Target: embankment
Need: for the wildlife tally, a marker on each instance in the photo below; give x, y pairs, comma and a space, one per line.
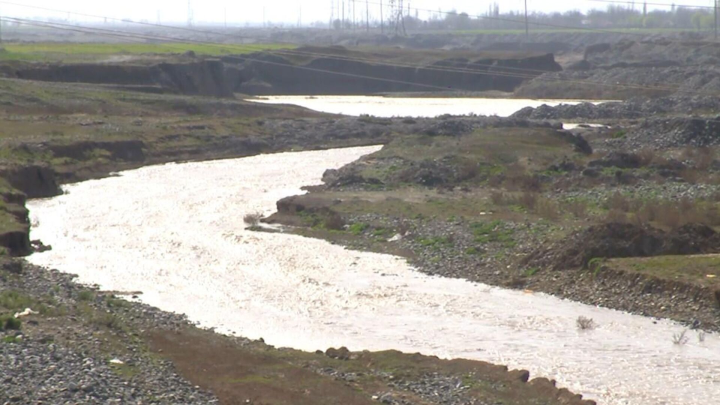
346, 72
310, 70
197, 77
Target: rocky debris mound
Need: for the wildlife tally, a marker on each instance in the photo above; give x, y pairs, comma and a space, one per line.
674, 132
630, 109
617, 240
654, 52
625, 81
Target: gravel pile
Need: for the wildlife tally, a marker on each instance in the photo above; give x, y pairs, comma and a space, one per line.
37, 372
62, 357
432, 387
369, 129
674, 132
625, 81
630, 109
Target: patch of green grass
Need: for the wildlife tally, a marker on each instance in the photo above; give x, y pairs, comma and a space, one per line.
11, 340
125, 371
107, 320
358, 228
472, 251
88, 51
13, 300
86, 295
531, 272
619, 134
493, 232
116, 303
701, 270
436, 242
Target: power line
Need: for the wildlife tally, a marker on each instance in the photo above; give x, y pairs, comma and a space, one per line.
226, 46
534, 23
110, 33
654, 4
226, 34
380, 3
106, 18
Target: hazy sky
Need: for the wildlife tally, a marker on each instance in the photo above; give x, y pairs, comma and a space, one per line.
240, 11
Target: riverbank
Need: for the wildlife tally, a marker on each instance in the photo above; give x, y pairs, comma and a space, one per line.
84, 345
55, 134
535, 209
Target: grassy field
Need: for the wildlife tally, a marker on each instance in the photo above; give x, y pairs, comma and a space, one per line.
51, 51
699, 270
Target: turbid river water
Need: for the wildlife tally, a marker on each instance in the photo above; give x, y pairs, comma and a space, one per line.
414, 107
175, 232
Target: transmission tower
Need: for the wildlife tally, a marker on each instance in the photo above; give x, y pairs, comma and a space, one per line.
190, 15
398, 15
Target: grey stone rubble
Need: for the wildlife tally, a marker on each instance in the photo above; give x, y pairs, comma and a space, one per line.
39, 369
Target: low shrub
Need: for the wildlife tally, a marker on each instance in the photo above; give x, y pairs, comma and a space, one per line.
333, 221
547, 209
680, 338
577, 208
9, 322
584, 323
252, 219
86, 295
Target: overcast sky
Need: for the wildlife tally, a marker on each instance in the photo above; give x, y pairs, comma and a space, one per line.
241, 11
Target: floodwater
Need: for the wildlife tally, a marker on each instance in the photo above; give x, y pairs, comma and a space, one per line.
410, 107
175, 232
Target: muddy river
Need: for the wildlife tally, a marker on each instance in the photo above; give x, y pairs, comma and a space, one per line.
175, 232
414, 107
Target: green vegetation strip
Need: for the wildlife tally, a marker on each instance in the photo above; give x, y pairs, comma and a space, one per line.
52, 50
700, 270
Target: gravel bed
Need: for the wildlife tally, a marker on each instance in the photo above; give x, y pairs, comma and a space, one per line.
62, 359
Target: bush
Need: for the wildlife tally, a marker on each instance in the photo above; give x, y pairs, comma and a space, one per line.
616, 216
499, 198
584, 323
618, 202
680, 338
9, 322
253, 219
577, 208
86, 295
528, 201
334, 221
547, 209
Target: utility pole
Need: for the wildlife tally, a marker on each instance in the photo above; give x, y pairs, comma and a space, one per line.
527, 25
342, 26
716, 19
190, 14
1, 24
367, 15
382, 19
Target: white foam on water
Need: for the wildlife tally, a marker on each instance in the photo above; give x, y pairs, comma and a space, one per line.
176, 233
412, 107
